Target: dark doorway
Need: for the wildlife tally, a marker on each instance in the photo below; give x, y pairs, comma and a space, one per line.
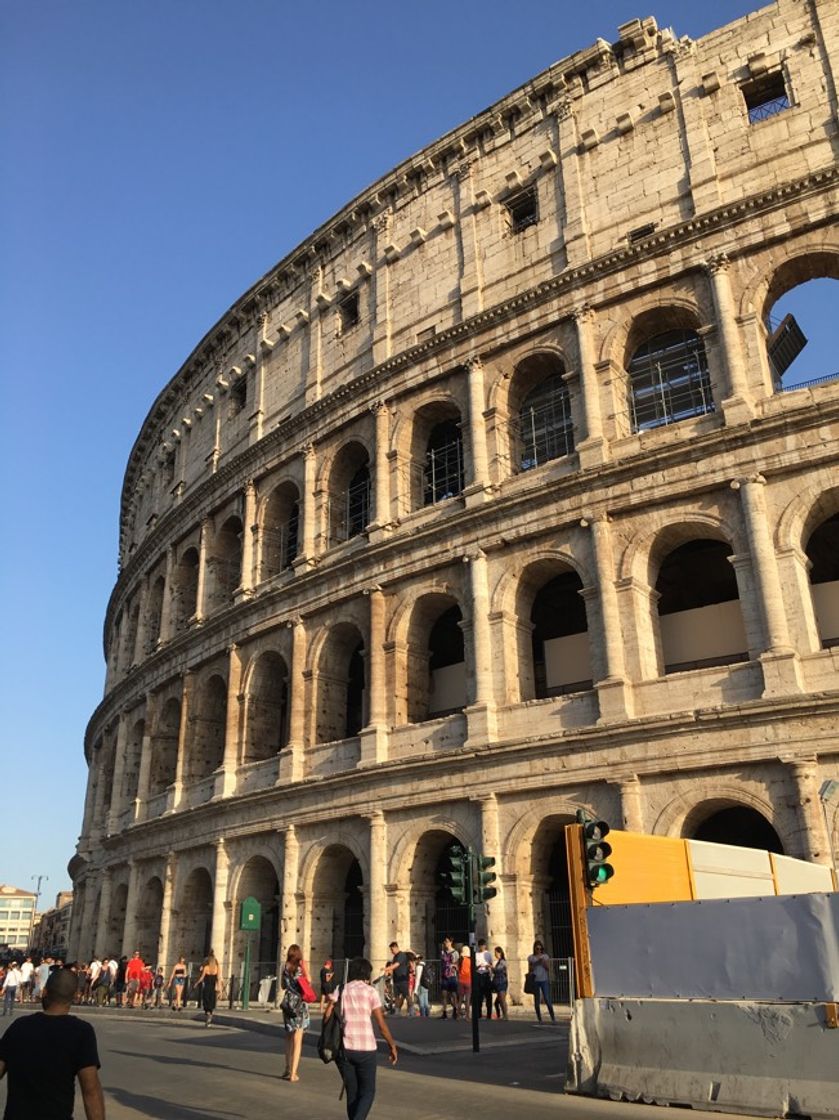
741, 826
559, 903
353, 913
450, 918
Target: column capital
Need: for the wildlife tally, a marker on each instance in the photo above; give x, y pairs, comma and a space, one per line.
757, 479
473, 557
583, 314
375, 816
378, 407
589, 520
374, 588
716, 263
564, 108
473, 362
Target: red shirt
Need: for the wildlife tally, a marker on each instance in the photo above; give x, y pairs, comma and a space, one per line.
134, 969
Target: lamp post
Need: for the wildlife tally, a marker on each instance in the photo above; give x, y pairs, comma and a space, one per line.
826, 793
39, 879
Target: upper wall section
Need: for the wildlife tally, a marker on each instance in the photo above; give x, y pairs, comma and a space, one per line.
608, 148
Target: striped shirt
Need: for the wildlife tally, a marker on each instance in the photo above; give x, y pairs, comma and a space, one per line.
358, 1001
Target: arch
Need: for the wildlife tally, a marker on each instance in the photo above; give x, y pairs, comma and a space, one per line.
154, 614
279, 529
420, 860
436, 453
822, 549
436, 659
693, 805
185, 591
207, 729
666, 368
349, 490
193, 917
722, 821
337, 904
541, 424
224, 564
554, 654
550, 891
258, 878
164, 747
266, 707
115, 929
131, 770
149, 912
340, 684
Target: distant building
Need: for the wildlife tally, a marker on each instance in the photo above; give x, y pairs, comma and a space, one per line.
17, 910
52, 928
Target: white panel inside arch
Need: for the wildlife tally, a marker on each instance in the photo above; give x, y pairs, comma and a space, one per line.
448, 688
798, 876
703, 633
826, 606
567, 660
729, 871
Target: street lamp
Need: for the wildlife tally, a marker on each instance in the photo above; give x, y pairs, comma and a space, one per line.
40, 879
826, 793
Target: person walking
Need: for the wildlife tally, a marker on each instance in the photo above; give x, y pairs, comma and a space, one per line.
177, 983
46, 1052
26, 971
210, 980
449, 957
295, 1010
483, 966
422, 985
539, 963
397, 969
464, 981
11, 984
327, 983
500, 982
133, 975
360, 1006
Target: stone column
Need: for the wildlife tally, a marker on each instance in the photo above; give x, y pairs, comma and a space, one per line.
306, 557
632, 804
117, 801
780, 663
592, 448
377, 930
201, 592
478, 488
218, 937
380, 295
129, 930
86, 935
100, 945
168, 594
480, 714
291, 861
613, 693
249, 528
145, 757
292, 756
467, 229
182, 767
374, 737
164, 953
496, 919
225, 785
139, 651
738, 405
575, 230
381, 523
814, 840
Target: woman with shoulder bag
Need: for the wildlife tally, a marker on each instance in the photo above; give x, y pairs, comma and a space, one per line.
538, 963
295, 1009
500, 983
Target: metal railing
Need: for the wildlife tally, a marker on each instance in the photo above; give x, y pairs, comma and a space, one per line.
781, 388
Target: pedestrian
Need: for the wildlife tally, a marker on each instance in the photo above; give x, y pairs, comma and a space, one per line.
120, 981
146, 985
449, 958
11, 983
359, 1006
102, 988
397, 969
500, 981
295, 1010
44, 1053
464, 980
210, 980
327, 983
158, 986
133, 975
177, 983
539, 962
41, 976
483, 967
26, 971
422, 985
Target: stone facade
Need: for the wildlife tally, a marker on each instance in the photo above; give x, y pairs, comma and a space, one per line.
484, 506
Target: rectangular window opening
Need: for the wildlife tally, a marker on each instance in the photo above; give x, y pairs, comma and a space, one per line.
349, 312
238, 395
523, 210
765, 96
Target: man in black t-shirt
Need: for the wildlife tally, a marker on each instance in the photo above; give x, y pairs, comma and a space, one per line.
43, 1055
397, 969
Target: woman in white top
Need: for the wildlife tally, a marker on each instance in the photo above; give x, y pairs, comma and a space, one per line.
360, 1004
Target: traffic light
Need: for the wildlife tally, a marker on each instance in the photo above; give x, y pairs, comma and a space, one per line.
456, 874
484, 878
597, 851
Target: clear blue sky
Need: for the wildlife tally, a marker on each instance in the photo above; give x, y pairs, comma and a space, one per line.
158, 157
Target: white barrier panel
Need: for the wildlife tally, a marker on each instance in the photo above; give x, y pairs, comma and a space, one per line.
794, 876
725, 871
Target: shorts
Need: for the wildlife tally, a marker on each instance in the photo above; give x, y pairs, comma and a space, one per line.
449, 984
400, 988
133, 986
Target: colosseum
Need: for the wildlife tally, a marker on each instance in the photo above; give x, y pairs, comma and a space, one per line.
491, 501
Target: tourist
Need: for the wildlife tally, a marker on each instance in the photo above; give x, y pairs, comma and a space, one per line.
119, 981
397, 969
60, 1044
158, 987
295, 1010
449, 957
177, 984
133, 975
464, 980
422, 985
11, 983
483, 967
26, 971
210, 980
359, 1004
327, 983
500, 982
539, 962
41, 976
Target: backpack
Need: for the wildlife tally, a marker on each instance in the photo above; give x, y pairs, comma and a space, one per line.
331, 1041
425, 978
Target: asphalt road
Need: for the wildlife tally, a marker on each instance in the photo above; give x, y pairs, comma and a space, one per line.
169, 1070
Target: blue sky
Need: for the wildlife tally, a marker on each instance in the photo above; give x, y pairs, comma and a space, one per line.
159, 156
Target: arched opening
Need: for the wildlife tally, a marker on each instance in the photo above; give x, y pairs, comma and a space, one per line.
337, 906
551, 894
342, 698
207, 729
446, 664
224, 564
279, 531
193, 920
148, 921
823, 554
185, 599
443, 475
116, 919
164, 748
700, 619
542, 428
154, 614
259, 880
560, 643
668, 379
451, 918
350, 509
266, 729
799, 316
106, 774
739, 825
131, 635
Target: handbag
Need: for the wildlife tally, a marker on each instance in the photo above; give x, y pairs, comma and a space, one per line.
529, 984
331, 1041
291, 1003
306, 990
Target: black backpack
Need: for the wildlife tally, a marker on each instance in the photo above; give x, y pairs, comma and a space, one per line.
425, 978
331, 1041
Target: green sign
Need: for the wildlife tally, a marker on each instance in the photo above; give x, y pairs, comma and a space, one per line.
250, 917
